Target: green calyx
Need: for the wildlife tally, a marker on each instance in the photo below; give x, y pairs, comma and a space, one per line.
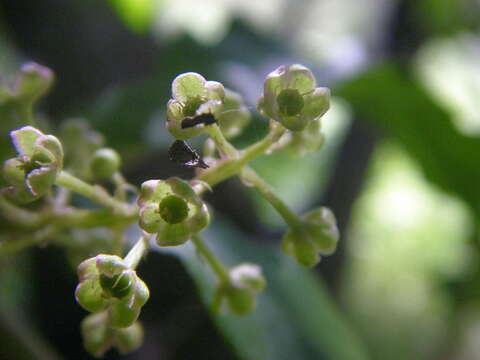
173, 209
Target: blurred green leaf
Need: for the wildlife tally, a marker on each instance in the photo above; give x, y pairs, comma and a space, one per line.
295, 318
389, 99
137, 14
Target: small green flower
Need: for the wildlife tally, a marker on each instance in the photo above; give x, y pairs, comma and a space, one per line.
32, 173
99, 337
290, 96
239, 293
171, 209
318, 235
32, 82
106, 283
192, 95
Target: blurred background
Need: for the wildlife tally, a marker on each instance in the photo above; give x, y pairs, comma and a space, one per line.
400, 169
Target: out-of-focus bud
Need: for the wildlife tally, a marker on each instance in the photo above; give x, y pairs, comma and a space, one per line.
98, 337
104, 163
245, 281
33, 81
318, 235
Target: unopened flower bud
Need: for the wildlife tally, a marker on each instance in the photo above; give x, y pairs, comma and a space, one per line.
104, 163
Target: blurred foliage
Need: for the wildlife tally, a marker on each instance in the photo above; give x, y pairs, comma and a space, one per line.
409, 241
394, 102
427, 231
285, 325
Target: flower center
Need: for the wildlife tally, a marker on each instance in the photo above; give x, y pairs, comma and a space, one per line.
173, 209
117, 286
290, 102
192, 105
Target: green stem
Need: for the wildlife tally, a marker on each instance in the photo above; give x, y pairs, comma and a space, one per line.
17, 215
250, 176
222, 143
137, 252
217, 267
13, 246
95, 193
230, 167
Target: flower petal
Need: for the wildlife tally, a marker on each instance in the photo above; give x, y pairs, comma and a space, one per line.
188, 85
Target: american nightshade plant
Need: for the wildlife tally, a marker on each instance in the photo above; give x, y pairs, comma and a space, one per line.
44, 174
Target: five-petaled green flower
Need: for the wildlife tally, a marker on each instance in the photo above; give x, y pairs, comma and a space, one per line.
171, 209
290, 96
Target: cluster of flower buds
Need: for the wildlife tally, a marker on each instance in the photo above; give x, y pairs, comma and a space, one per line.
239, 292
316, 235
33, 172
171, 209
99, 337
114, 294
106, 283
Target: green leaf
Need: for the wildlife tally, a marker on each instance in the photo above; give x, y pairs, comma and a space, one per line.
394, 102
295, 318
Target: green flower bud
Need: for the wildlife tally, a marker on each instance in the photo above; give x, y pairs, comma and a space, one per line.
245, 281
104, 163
33, 81
129, 339
98, 337
106, 283
239, 301
33, 172
290, 96
318, 235
171, 209
248, 276
96, 334
189, 92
